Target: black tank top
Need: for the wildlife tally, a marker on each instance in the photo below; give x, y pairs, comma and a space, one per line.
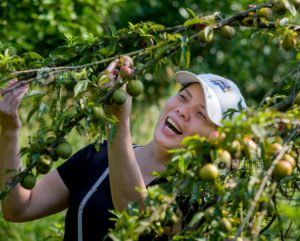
80, 173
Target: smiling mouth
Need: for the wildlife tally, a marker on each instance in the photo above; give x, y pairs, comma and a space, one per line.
172, 127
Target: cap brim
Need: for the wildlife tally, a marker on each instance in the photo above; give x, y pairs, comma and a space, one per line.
212, 104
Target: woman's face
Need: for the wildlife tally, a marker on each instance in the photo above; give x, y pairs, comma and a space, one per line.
187, 111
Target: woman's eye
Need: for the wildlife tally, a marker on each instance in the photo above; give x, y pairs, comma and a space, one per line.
200, 113
182, 97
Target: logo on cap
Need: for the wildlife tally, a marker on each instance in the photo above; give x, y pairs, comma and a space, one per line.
225, 87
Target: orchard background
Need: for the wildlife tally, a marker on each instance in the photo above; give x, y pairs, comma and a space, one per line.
253, 63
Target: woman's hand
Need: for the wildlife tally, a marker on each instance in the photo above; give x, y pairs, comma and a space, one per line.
122, 112
9, 118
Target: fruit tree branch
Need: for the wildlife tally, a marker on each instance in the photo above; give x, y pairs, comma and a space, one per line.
263, 184
275, 85
295, 85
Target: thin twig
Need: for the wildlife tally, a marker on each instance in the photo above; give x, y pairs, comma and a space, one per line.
263, 183
269, 225
275, 85
287, 231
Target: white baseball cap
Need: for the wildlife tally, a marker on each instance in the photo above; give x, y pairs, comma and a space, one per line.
220, 94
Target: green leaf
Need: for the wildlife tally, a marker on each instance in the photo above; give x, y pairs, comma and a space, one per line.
194, 21
157, 26
196, 218
32, 55
179, 57
85, 56
6, 171
191, 12
287, 87
31, 113
94, 60
259, 131
80, 87
43, 109
208, 30
115, 212
111, 48
33, 93
255, 33
113, 30
164, 60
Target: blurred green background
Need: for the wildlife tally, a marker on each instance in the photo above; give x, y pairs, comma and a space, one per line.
39, 26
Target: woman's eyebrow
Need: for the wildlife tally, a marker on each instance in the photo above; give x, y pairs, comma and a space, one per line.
189, 93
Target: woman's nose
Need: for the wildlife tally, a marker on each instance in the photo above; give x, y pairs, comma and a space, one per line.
183, 113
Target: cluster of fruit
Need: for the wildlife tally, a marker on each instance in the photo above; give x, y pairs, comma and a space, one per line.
230, 158
133, 87
280, 7
45, 161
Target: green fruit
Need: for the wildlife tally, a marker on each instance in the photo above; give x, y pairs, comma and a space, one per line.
131, 60
64, 150
203, 39
225, 225
50, 140
134, 88
209, 213
54, 155
265, 13
119, 97
173, 219
287, 43
208, 172
282, 169
223, 159
235, 148
36, 146
126, 72
103, 51
296, 3
297, 99
140, 65
173, 59
280, 7
28, 160
98, 114
227, 32
28, 182
290, 159
44, 164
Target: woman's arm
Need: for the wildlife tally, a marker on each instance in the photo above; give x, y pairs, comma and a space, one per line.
50, 195
124, 172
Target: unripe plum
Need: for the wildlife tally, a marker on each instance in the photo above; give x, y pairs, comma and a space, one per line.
296, 3
130, 59
134, 88
203, 39
208, 172
287, 43
265, 13
280, 7
290, 159
140, 65
119, 97
277, 147
126, 72
227, 32
250, 22
282, 169
216, 138
249, 142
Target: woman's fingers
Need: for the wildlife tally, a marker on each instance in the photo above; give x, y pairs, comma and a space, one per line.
17, 100
111, 67
9, 84
9, 97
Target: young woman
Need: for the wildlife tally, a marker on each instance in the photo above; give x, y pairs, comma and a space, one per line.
196, 109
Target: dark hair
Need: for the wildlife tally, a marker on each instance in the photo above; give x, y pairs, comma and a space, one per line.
184, 86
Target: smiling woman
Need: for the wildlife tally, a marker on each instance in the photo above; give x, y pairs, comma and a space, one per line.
86, 186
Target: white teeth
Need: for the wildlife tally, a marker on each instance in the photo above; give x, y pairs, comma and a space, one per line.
168, 128
174, 124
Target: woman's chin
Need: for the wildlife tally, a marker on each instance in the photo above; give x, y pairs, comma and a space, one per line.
167, 142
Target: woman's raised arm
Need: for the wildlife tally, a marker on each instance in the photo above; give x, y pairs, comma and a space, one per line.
50, 195
124, 172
